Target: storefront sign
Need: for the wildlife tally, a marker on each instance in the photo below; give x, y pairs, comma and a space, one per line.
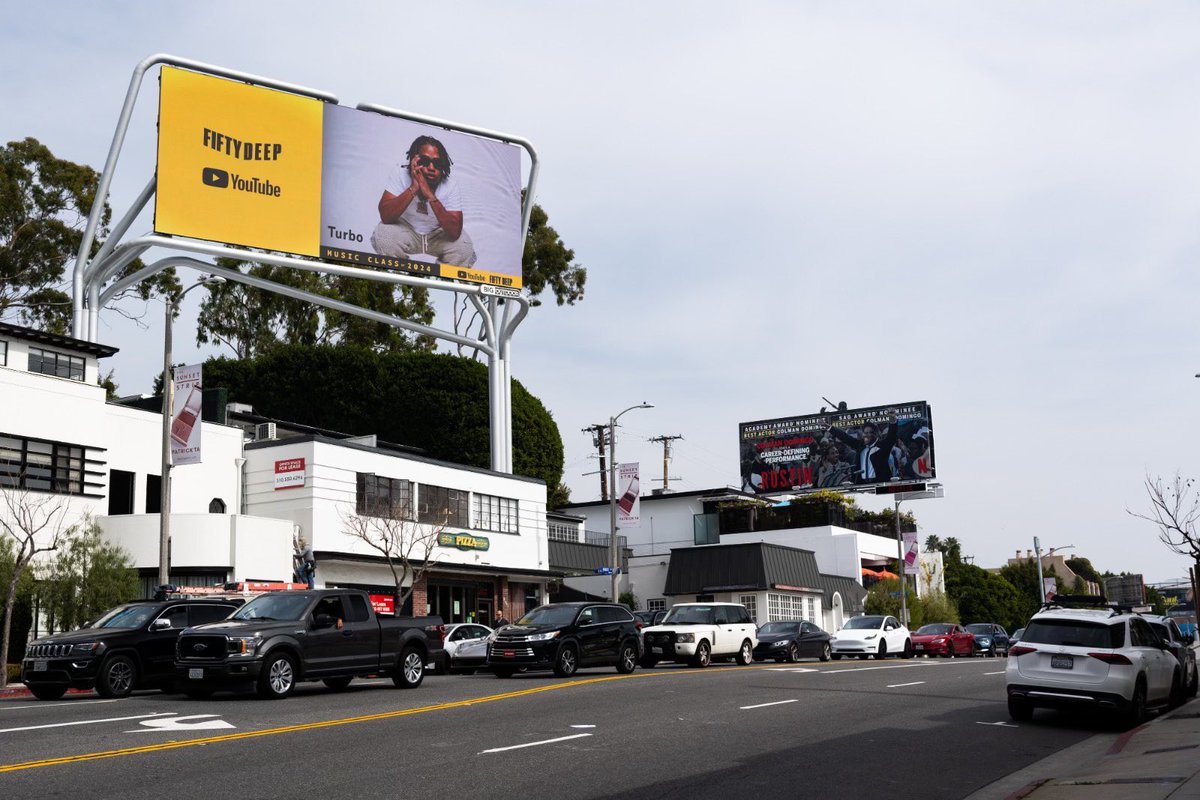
463, 541
289, 474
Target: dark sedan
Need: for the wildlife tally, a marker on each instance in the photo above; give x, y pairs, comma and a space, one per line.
791, 640
990, 639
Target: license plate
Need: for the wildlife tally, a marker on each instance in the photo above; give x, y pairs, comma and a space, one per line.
656, 649
919, 646
509, 654
40, 666
1062, 662
196, 673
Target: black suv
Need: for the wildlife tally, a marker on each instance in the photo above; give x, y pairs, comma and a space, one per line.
130, 647
566, 636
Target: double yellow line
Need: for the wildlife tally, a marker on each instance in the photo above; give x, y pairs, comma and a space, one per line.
310, 726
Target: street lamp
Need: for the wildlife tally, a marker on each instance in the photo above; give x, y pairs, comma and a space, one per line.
168, 408
613, 552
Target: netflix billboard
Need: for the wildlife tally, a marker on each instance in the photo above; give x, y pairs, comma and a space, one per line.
852, 449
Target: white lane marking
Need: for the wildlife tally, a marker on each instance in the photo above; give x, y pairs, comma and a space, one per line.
181, 724
1001, 672
533, 744
583, 726
868, 669
764, 705
87, 722
998, 724
56, 705
890, 686
791, 669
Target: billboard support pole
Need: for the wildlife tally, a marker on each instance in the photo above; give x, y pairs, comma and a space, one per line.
903, 582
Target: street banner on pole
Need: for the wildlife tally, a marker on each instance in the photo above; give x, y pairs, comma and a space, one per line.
910, 551
1049, 588
629, 502
185, 416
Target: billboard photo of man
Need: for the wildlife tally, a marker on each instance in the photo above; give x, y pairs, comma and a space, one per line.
420, 212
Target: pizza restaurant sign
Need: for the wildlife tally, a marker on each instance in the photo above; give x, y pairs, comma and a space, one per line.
463, 541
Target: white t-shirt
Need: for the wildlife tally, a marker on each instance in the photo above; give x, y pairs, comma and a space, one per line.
446, 192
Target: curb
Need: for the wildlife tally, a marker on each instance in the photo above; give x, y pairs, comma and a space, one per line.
10, 692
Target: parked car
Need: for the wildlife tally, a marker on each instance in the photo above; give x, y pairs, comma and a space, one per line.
872, 635
1181, 645
1092, 658
129, 647
465, 648
1016, 637
566, 636
648, 618
945, 639
990, 639
696, 633
791, 640
330, 635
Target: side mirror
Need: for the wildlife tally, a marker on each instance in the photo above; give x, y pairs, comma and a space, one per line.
323, 621
161, 624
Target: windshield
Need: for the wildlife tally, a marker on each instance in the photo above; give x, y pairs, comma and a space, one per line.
126, 617
550, 615
977, 628
274, 607
935, 630
1074, 633
780, 627
690, 615
859, 623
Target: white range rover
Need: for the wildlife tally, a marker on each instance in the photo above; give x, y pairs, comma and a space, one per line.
696, 633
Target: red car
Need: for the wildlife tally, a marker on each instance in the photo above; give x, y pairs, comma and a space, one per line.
943, 639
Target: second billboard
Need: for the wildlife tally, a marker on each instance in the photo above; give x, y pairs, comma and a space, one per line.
843, 449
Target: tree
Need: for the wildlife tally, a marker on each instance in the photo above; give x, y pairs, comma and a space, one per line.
33, 523
87, 577
1174, 510
406, 545
44, 206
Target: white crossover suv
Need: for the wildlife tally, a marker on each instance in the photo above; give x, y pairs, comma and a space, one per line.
696, 633
1086, 657
872, 635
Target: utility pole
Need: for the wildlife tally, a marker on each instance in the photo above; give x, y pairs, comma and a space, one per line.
599, 433
666, 443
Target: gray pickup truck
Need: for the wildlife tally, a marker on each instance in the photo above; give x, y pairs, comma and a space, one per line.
281, 638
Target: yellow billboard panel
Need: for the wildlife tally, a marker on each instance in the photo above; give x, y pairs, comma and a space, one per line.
238, 163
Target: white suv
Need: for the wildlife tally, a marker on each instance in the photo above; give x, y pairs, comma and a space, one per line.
696, 633
1108, 659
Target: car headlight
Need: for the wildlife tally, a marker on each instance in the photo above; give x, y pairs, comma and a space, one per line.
491, 637
779, 644
984, 642
243, 645
870, 636
87, 648
543, 637
686, 638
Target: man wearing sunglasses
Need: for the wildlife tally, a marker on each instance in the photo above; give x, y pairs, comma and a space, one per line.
420, 210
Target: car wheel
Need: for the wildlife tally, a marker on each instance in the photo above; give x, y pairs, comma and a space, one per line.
882, 654
442, 665
745, 655
1193, 684
278, 677
567, 662
627, 662
337, 684
703, 655
793, 653
410, 671
825, 652
991, 653
116, 678
1020, 710
48, 692
908, 649
198, 692
950, 652
1136, 713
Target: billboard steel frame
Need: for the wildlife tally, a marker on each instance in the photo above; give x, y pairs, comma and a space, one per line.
90, 276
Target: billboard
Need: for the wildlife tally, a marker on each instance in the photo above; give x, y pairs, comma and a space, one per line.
856, 448
629, 498
185, 416
261, 168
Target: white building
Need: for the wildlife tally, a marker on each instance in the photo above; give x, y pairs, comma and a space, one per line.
232, 520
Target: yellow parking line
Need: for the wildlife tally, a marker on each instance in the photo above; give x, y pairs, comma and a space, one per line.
308, 726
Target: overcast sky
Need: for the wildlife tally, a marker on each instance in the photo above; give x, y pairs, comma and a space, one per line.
992, 207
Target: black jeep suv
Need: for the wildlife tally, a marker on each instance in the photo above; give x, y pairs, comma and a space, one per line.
566, 636
130, 647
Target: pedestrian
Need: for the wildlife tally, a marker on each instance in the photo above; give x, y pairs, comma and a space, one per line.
305, 564
501, 620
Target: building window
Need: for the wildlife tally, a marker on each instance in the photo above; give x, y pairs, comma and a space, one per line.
785, 607
377, 496
40, 466
3, 354
495, 513
438, 505
657, 604
48, 362
562, 531
750, 601
812, 610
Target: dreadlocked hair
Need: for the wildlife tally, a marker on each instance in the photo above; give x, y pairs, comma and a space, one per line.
444, 162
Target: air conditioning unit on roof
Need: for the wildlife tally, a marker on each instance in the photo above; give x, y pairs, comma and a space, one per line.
264, 431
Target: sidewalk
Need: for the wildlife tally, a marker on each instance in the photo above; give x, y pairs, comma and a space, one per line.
1160, 759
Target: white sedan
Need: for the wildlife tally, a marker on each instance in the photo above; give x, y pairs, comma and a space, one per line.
872, 635
465, 648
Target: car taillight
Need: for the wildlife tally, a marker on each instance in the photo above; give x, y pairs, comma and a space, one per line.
1111, 658
1020, 650
638, 622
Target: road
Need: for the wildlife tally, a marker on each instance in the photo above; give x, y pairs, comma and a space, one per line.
893, 729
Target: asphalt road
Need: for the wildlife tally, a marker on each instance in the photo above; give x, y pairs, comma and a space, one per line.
893, 729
